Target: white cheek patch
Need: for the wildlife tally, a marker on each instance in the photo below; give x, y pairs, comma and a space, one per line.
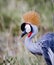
28, 28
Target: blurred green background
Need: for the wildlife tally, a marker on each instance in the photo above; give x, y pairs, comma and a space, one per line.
12, 51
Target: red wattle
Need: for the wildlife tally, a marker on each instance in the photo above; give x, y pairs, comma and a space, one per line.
29, 34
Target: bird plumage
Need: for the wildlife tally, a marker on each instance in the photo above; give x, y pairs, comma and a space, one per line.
44, 46
51, 55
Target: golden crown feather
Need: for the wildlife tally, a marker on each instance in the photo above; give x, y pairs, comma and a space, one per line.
32, 17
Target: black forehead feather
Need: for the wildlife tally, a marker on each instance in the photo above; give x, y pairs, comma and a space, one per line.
23, 26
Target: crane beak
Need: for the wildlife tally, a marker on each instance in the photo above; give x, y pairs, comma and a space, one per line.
24, 33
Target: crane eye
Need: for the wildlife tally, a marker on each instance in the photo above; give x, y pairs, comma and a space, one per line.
28, 28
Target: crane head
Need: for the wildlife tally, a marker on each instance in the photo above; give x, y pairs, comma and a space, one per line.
29, 29
26, 29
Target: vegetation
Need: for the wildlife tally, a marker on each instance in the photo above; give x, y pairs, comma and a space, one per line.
11, 12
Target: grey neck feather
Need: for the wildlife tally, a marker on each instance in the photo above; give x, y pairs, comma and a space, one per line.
33, 47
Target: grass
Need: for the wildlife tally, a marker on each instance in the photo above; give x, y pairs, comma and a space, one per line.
17, 54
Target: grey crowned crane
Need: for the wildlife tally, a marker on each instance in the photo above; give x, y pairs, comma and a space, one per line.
44, 46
